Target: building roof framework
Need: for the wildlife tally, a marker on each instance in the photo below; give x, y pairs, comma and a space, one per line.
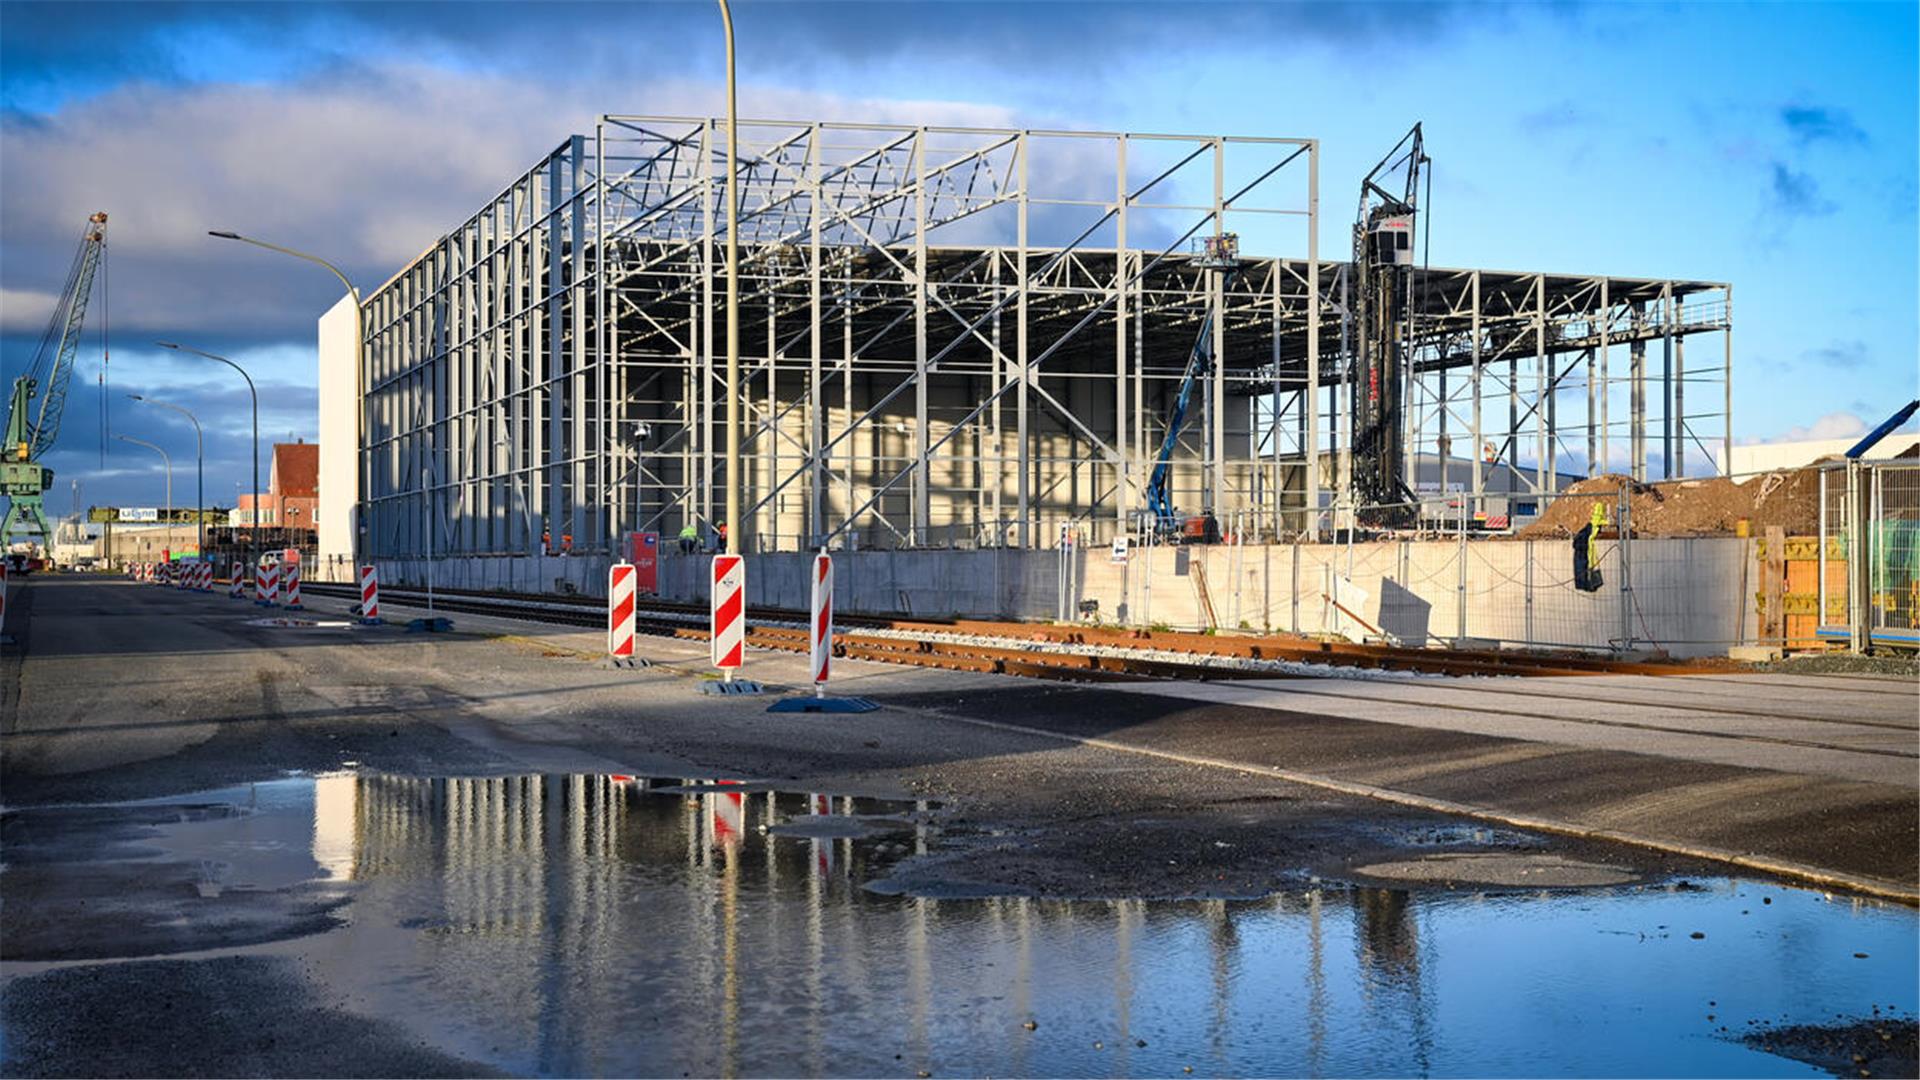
954, 336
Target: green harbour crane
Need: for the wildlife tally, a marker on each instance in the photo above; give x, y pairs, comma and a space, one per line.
39, 395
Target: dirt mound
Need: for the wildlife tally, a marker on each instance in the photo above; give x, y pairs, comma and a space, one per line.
1710, 506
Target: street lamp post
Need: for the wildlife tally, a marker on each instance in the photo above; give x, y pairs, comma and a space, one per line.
733, 295
253, 532
168, 461
359, 388
199, 474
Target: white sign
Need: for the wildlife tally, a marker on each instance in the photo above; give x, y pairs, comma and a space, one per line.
1120, 546
139, 513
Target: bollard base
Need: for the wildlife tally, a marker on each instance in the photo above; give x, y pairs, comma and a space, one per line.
630, 663
736, 688
823, 705
436, 625
374, 621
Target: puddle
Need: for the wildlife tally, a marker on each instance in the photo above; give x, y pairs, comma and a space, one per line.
586, 925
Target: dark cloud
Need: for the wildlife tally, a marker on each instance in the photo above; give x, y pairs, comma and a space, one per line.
1561, 116
1839, 355
52, 50
1794, 193
1809, 124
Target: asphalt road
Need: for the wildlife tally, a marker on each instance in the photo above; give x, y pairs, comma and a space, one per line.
116, 691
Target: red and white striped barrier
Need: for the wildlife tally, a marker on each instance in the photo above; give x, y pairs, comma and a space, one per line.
237, 587
182, 575
820, 648
290, 584
266, 584
729, 612
203, 576
369, 595
620, 586
820, 651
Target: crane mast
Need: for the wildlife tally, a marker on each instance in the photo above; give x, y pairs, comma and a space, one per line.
32, 428
1382, 266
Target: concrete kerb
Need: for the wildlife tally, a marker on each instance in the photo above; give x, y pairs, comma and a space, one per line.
1813, 875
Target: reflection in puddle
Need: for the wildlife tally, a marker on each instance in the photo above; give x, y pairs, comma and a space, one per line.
598, 925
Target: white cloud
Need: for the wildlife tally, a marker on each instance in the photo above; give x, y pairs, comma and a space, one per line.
25, 311
1834, 425
367, 167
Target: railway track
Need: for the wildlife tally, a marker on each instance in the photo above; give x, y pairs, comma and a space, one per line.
1074, 653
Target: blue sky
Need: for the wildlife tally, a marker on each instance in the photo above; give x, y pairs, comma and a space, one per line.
1770, 145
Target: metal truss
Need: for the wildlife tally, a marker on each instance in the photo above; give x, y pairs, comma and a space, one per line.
950, 337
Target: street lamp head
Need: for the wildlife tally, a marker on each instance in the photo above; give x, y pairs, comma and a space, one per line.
167, 344
224, 234
136, 397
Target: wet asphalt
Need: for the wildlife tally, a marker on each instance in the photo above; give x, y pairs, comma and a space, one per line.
118, 692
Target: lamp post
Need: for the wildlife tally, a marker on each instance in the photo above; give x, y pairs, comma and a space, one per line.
199, 474
733, 295
169, 463
253, 532
359, 388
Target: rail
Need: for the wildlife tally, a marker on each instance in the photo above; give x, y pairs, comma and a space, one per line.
1038, 650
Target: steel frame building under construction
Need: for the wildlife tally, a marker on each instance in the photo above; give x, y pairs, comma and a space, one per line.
960, 337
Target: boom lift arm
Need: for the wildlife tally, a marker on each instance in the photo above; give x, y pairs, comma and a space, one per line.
1382, 265
31, 431
1221, 256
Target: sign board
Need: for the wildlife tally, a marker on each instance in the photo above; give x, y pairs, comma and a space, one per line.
1120, 548
643, 551
148, 515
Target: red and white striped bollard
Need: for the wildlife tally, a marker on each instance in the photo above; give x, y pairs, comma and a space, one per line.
290, 584
237, 587
266, 583
820, 648
620, 614
729, 613
369, 595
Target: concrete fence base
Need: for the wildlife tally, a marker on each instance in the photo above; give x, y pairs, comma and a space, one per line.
1690, 597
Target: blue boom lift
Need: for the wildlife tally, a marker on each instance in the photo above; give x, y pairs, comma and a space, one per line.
1220, 255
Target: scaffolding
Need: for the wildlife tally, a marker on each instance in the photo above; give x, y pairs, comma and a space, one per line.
956, 337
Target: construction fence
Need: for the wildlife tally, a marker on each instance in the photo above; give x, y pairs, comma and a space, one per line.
1870, 509
1689, 568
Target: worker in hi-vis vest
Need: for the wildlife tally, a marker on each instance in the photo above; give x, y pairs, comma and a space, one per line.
689, 538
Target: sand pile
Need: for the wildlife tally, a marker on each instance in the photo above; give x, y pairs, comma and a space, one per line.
1706, 507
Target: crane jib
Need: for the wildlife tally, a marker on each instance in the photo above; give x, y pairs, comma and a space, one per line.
30, 430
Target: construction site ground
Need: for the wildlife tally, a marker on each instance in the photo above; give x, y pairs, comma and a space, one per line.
1811, 775
138, 720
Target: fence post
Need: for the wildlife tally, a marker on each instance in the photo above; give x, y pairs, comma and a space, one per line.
1294, 592
1625, 547
1460, 591
1820, 597
1877, 537
1857, 562
1528, 606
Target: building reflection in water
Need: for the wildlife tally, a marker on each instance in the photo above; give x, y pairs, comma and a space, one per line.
598, 924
